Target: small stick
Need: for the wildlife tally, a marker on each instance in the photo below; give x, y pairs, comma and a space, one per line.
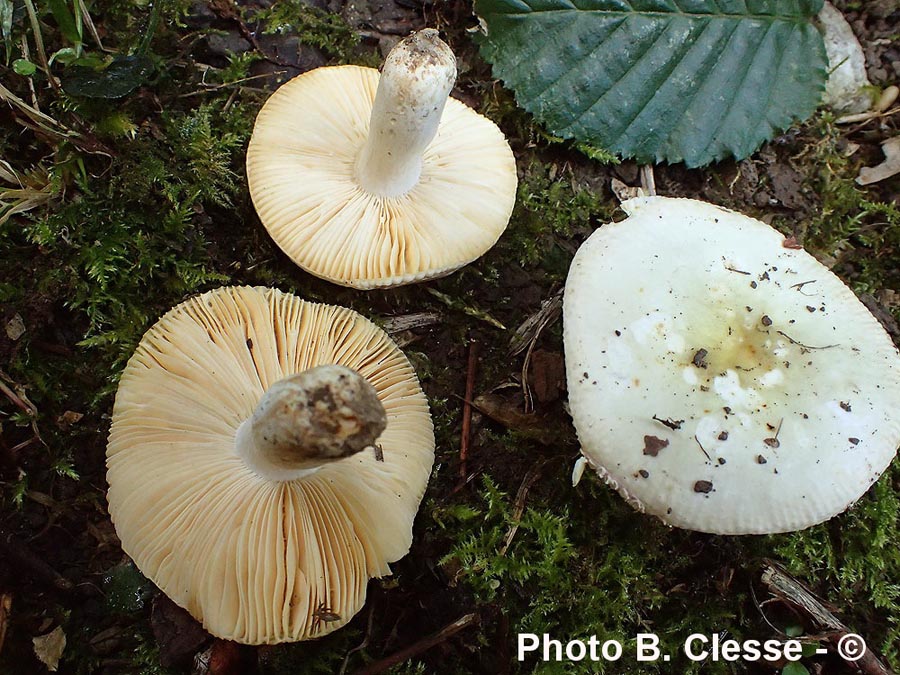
361, 645
422, 645
519, 507
800, 344
89, 23
17, 400
702, 449
5, 611
791, 591
866, 116
648, 180
215, 87
26, 53
467, 410
39, 44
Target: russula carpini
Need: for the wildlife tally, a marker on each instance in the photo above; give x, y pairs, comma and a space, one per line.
719, 376
267, 457
372, 180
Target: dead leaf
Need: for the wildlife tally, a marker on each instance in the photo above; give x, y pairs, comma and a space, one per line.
49, 648
889, 167
530, 329
547, 375
541, 428
15, 327
625, 192
68, 418
850, 149
887, 99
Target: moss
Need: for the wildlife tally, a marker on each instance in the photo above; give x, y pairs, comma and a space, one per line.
583, 563
315, 27
552, 206
859, 234
856, 557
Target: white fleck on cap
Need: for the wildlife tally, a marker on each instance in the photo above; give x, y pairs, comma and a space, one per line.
374, 180
722, 379
259, 556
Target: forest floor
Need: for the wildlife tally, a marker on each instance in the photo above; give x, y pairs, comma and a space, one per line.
139, 202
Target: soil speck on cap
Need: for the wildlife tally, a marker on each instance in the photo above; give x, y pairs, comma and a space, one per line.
845, 405
761, 460
699, 359
674, 425
703, 486
723, 436
652, 445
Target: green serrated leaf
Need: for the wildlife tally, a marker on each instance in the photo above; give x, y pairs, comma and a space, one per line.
122, 76
794, 669
23, 67
660, 80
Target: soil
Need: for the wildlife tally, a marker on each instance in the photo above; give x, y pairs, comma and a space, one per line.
60, 560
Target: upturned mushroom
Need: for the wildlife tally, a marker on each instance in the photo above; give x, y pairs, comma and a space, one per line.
720, 377
372, 180
267, 457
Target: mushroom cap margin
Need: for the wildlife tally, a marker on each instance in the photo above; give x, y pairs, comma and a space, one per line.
301, 174
252, 559
679, 276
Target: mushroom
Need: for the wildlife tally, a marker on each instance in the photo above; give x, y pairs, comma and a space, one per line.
720, 377
267, 457
370, 181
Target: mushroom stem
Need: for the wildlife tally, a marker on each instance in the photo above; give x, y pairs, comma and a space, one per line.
416, 81
310, 419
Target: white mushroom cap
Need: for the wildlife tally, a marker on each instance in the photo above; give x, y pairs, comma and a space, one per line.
255, 559
394, 207
719, 377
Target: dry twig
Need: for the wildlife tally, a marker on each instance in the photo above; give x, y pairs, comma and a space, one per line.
422, 645
5, 610
22, 558
467, 410
790, 590
519, 506
648, 180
